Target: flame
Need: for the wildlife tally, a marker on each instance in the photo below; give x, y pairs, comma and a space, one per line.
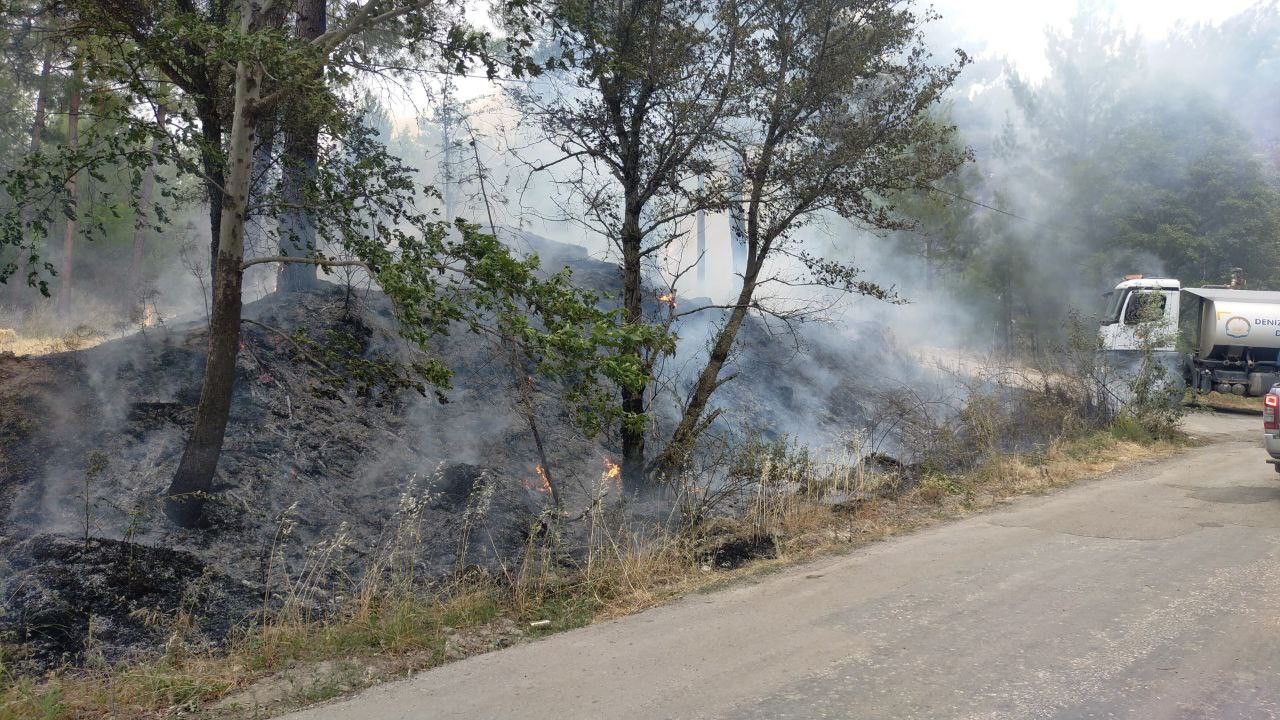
544, 484
611, 478
149, 316
669, 298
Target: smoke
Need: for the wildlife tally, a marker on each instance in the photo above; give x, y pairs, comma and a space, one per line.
1083, 173
1121, 153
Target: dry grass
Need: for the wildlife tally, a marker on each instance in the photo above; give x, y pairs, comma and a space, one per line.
1224, 402
391, 628
406, 633
40, 330
804, 528
78, 338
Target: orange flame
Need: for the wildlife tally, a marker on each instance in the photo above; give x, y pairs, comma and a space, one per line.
669, 298
149, 316
611, 478
544, 484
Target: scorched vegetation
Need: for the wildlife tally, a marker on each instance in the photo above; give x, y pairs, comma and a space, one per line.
314, 371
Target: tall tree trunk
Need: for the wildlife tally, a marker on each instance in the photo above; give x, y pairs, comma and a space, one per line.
69, 235
634, 478
691, 423
265, 146
215, 168
19, 279
185, 498
142, 221
1005, 320
302, 147
755, 249
446, 136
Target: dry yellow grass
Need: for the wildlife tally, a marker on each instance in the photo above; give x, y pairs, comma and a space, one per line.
1225, 402
78, 339
804, 529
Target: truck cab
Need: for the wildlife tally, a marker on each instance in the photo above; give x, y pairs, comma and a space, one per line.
1134, 307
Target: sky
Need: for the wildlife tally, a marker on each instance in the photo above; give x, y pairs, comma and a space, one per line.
1015, 28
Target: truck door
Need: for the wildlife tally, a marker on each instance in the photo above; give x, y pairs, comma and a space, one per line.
1145, 312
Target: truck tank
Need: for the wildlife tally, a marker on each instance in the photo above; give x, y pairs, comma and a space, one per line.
1249, 318
1239, 337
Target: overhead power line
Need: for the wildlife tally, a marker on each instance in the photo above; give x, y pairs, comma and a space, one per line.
985, 206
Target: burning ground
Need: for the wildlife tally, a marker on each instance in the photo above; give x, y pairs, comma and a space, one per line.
320, 482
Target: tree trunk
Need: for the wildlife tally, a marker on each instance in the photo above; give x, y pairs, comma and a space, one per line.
142, 221
185, 498
69, 234
634, 479
691, 423
255, 232
302, 147
214, 165
19, 279
755, 250
446, 136
1005, 320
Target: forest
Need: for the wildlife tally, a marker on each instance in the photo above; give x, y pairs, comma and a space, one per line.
377, 321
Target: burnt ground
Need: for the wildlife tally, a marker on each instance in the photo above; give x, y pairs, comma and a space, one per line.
78, 595
737, 552
90, 440
310, 473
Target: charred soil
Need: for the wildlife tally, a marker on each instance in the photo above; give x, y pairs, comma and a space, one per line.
322, 478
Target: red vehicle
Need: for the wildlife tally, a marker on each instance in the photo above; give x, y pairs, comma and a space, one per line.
1271, 425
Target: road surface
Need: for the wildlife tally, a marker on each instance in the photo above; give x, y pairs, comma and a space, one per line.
1151, 593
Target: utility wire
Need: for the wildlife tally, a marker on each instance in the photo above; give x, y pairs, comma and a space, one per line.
1015, 216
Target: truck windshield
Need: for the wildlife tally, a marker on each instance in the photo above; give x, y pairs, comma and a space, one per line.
1144, 306
1115, 300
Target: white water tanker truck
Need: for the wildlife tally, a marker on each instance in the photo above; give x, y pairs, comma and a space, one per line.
1221, 338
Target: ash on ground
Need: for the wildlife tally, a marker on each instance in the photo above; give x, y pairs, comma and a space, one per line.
311, 473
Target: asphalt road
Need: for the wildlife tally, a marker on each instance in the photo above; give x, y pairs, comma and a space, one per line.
1151, 593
